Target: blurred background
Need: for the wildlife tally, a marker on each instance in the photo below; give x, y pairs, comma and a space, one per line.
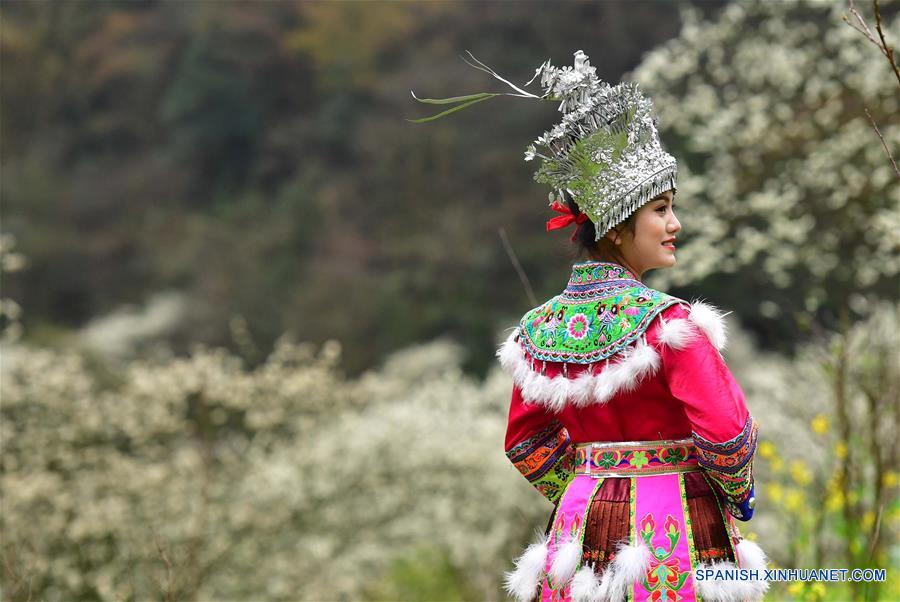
249, 311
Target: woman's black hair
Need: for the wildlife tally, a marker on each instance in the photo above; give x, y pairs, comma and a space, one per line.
585, 237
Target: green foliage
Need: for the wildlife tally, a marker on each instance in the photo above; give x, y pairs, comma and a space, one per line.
827, 460
464, 102
258, 161
425, 574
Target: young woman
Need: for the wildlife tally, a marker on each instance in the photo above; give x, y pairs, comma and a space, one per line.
623, 412
646, 452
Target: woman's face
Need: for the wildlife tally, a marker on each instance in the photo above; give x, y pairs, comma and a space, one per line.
653, 243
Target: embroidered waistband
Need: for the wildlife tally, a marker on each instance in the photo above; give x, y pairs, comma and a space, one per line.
631, 458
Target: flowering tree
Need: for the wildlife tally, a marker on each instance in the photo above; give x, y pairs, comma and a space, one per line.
10, 312
783, 179
196, 478
203, 480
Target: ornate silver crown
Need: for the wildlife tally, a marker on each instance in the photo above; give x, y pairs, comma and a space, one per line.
606, 150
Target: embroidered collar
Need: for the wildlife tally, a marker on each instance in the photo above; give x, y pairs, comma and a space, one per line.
603, 309
594, 275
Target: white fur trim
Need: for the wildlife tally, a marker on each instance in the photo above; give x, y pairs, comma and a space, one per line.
634, 364
750, 556
524, 383
609, 381
522, 371
585, 586
714, 590
726, 590
605, 583
510, 352
534, 389
558, 393
676, 333
711, 321
582, 388
522, 583
625, 375
629, 565
566, 560
643, 361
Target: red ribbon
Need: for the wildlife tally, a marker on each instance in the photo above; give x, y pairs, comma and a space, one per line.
561, 221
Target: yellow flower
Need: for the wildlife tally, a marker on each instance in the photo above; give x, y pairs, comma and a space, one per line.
840, 450
796, 588
818, 590
835, 501
774, 492
819, 424
868, 519
751, 535
890, 479
833, 482
777, 464
794, 499
800, 473
767, 449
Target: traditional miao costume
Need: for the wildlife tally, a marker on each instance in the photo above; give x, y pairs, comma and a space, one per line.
625, 416
623, 412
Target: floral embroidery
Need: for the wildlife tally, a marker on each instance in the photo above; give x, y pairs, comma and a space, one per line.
673, 455
645, 458
730, 464
578, 326
568, 526
608, 460
603, 310
639, 459
546, 460
553, 483
665, 577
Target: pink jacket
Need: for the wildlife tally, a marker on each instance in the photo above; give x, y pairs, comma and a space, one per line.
669, 382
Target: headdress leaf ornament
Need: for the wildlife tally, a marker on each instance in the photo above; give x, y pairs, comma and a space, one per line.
605, 152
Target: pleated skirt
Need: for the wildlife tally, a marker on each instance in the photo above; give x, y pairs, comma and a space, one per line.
637, 538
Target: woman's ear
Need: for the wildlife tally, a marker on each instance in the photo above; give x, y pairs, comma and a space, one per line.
613, 236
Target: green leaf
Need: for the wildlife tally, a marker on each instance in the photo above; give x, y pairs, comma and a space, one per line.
620, 141
453, 110
446, 101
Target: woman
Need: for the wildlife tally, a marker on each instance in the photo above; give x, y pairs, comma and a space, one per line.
623, 412
647, 452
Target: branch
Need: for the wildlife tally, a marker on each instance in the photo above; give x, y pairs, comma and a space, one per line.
880, 42
168, 589
876, 533
519, 270
889, 51
883, 143
863, 27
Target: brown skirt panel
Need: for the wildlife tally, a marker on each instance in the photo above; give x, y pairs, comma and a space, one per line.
608, 521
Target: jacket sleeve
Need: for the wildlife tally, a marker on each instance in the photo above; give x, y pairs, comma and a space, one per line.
722, 428
538, 445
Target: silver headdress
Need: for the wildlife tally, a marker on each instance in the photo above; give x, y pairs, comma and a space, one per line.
605, 152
